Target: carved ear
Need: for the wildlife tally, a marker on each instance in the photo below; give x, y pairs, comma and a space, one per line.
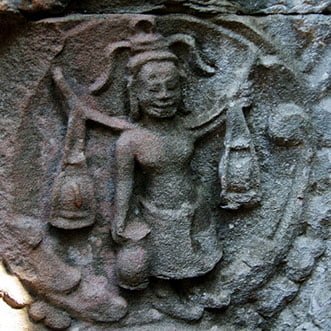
194, 57
112, 51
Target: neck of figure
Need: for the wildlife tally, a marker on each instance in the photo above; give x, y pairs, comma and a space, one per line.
159, 125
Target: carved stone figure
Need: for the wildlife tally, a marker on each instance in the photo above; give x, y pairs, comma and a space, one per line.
163, 229
180, 242
164, 172
161, 225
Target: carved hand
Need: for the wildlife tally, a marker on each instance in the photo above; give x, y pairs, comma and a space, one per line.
117, 230
88, 111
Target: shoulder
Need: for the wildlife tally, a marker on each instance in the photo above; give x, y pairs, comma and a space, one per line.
129, 140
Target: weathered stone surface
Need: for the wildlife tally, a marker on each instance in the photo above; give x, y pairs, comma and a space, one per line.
54, 319
276, 295
167, 171
322, 120
301, 260
288, 125
201, 7
34, 6
210, 7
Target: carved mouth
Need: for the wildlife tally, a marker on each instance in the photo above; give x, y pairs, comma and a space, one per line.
164, 104
164, 110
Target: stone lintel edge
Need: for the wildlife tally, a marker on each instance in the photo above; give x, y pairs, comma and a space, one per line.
15, 10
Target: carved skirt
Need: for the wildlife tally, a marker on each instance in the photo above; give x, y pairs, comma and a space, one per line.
175, 251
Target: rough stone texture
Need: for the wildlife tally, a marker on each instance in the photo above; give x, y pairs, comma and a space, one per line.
255, 90
209, 7
14, 7
197, 7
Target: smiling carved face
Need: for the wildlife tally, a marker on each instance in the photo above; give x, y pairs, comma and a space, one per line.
158, 89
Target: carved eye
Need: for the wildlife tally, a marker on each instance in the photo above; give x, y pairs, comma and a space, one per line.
154, 88
173, 85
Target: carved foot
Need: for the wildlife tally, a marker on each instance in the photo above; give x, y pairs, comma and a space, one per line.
53, 318
94, 299
181, 310
169, 302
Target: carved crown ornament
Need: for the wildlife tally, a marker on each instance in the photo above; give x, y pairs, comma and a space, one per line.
151, 170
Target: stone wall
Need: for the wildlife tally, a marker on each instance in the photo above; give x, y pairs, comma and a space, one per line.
165, 165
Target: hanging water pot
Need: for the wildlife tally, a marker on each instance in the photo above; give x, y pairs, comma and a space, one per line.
238, 169
73, 202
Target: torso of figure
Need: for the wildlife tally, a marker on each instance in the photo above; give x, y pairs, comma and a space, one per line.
164, 160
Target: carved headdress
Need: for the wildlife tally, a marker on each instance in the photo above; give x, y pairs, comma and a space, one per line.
147, 45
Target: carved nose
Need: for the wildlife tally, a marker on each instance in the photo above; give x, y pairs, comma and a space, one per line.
164, 93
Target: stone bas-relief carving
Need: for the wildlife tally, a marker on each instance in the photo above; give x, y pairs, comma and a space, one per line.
41, 8
168, 235
160, 182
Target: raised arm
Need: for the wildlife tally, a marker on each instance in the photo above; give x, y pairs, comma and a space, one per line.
88, 111
124, 186
207, 121
216, 116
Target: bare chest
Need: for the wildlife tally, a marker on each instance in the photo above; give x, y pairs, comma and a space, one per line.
163, 151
